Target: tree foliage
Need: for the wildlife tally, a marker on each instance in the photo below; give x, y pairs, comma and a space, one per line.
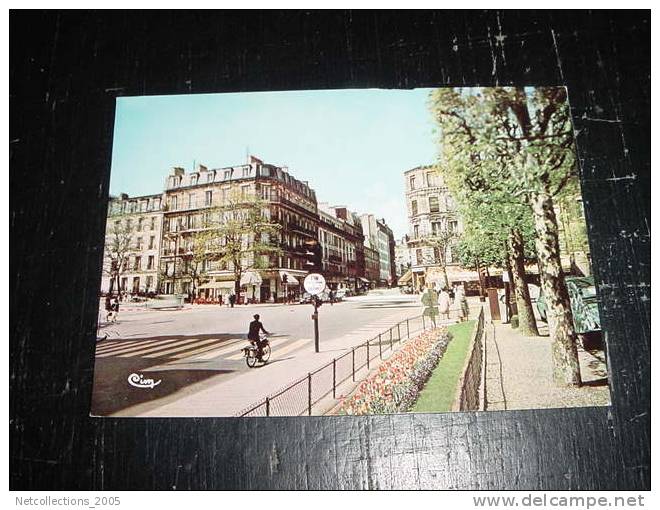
512, 149
240, 235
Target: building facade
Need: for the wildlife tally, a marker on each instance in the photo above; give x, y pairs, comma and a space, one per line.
379, 237
172, 243
434, 227
132, 245
401, 257
192, 200
340, 237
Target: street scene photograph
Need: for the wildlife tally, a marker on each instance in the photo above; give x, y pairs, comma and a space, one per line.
346, 252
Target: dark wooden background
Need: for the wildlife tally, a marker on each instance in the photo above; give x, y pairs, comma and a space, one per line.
65, 71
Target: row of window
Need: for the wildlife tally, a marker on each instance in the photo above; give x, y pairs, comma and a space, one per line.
134, 206
436, 229
431, 179
136, 284
140, 224
433, 205
136, 263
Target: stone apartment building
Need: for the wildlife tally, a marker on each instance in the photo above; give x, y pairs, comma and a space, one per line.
341, 239
431, 212
401, 257
132, 244
379, 237
162, 255
190, 197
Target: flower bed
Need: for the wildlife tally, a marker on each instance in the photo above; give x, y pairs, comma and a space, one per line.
397, 382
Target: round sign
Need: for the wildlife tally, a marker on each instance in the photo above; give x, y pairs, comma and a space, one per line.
314, 283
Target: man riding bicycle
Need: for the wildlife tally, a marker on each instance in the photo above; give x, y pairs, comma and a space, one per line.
253, 334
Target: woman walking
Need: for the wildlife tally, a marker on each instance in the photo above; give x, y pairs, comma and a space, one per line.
444, 302
430, 303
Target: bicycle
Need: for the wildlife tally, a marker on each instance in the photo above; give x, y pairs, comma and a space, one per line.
251, 352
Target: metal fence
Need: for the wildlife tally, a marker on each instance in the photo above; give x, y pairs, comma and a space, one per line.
470, 385
299, 397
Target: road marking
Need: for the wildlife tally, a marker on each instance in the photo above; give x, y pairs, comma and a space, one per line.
291, 347
157, 348
278, 351
211, 352
129, 344
179, 349
136, 348
223, 349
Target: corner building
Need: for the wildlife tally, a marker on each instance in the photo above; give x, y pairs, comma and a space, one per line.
289, 202
431, 210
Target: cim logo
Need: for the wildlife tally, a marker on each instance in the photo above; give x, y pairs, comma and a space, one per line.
139, 381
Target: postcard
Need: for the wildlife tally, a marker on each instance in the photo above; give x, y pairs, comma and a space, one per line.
346, 252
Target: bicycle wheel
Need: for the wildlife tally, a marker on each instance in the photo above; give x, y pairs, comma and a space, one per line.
251, 359
266, 354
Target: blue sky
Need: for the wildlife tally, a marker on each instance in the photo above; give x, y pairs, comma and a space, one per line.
351, 145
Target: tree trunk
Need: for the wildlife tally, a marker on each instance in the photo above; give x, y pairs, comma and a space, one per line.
560, 318
510, 286
526, 320
444, 273
482, 292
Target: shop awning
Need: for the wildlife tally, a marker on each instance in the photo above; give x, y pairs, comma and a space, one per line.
217, 285
454, 274
407, 276
251, 278
290, 279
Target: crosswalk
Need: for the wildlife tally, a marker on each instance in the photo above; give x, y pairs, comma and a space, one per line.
192, 349
211, 348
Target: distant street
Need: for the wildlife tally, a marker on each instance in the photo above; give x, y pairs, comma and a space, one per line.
196, 352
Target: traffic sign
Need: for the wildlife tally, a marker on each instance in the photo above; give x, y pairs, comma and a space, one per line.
314, 283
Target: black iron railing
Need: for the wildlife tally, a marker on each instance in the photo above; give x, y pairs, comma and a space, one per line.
300, 396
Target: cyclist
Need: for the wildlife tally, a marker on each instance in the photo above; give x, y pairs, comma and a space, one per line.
253, 334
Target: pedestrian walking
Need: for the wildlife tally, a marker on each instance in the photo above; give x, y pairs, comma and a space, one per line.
232, 299
430, 303
115, 310
108, 308
462, 302
444, 302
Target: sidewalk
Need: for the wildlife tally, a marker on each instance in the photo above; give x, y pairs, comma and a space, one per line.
519, 373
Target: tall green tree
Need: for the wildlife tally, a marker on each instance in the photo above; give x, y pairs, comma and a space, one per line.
118, 249
241, 235
521, 142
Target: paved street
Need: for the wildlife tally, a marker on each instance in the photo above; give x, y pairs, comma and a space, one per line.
196, 352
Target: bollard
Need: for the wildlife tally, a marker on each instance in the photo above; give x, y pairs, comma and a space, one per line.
423, 324
398, 332
334, 378
267, 406
367, 355
353, 356
391, 339
380, 347
407, 329
309, 394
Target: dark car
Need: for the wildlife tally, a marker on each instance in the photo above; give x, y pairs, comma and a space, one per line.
584, 305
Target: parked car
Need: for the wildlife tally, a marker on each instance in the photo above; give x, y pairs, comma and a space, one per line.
584, 305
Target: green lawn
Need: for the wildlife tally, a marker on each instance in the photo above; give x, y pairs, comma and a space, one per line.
440, 390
